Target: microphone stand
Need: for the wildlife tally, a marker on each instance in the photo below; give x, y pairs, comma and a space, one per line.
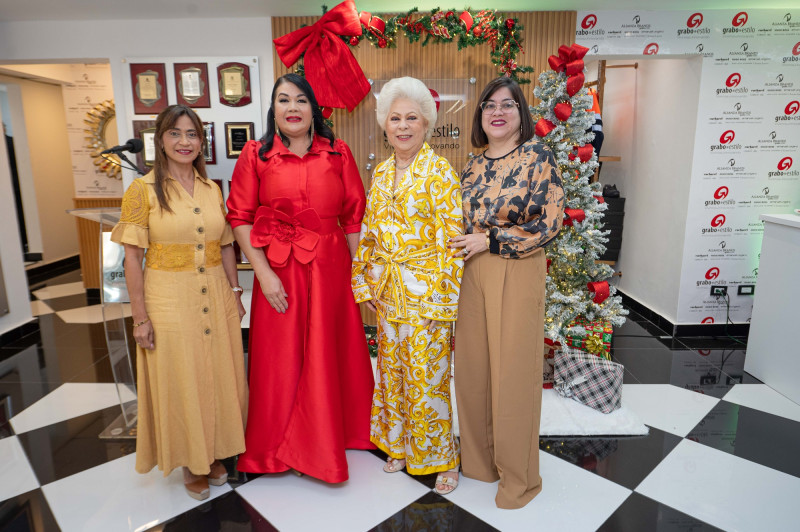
132, 166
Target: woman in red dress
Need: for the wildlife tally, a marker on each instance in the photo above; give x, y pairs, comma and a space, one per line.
295, 206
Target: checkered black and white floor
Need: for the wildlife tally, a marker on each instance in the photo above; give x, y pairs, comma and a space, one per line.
721, 452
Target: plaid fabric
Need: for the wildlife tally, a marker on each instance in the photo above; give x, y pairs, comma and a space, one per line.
590, 380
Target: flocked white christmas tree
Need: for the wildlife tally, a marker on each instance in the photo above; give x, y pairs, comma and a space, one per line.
562, 121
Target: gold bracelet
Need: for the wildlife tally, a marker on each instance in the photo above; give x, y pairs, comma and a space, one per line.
141, 322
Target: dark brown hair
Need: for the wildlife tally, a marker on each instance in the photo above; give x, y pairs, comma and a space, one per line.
165, 121
479, 138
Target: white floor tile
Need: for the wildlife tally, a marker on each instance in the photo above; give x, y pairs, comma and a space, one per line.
16, 475
724, 490
571, 499
60, 290
40, 308
762, 397
94, 313
300, 504
67, 401
667, 407
113, 496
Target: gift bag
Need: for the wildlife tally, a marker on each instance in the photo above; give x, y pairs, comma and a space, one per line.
590, 380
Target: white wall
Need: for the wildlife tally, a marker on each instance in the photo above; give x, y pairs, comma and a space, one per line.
114, 40
11, 253
649, 116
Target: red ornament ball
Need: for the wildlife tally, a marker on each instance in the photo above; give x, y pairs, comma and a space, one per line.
381, 43
510, 23
354, 41
372, 341
477, 31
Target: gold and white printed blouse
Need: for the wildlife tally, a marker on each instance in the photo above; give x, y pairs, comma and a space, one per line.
403, 262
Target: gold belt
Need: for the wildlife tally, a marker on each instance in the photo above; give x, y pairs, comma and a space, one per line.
182, 257
391, 271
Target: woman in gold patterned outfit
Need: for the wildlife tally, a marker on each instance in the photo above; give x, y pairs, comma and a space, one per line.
186, 311
405, 272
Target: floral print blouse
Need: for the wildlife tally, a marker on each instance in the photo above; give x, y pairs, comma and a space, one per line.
518, 198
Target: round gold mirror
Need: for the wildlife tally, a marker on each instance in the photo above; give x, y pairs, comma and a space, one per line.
102, 134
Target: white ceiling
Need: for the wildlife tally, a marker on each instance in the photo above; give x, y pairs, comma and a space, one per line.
20, 10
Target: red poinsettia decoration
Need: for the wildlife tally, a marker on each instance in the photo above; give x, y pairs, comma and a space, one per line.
286, 232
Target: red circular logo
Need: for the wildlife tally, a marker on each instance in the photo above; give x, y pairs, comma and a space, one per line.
792, 107
733, 80
740, 19
712, 273
727, 137
718, 220
651, 49
785, 163
695, 20
704, 352
721, 193
436, 98
589, 22
708, 319
796, 49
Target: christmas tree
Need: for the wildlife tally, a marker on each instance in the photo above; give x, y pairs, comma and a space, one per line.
577, 285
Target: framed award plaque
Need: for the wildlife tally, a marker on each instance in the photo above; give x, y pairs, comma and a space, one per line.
145, 130
209, 151
234, 84
236, 136
191, 84
149, 91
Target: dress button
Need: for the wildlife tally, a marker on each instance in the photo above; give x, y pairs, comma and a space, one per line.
200, 229
201, 269
204, 290
207, 332
196, 210
205, 310
200, 246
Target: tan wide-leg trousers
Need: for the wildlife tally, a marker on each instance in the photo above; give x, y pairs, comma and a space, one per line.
498, 373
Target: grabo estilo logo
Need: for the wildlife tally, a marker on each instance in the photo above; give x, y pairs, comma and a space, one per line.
721, 193
727, 137
651, 49
789, 112
719, 199
732, 83
711, 274
733, 80
693, 24
739, 19
726, 142
785, 169
589, 22
795, 54
587, 26
717, 225
738, 25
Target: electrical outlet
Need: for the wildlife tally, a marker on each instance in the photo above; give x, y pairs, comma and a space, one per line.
746, 290
719, 290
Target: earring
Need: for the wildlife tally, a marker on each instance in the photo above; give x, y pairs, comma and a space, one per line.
311, 131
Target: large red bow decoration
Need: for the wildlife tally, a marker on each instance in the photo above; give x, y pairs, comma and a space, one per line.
570, 61
573, 215
584, 153
330, 67
285, 231
543, 127
600, 290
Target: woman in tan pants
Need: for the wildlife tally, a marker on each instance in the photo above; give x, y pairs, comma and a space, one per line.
513, 204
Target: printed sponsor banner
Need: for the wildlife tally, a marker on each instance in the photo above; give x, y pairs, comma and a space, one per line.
747, 138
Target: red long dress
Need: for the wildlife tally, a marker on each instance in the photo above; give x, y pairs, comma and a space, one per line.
310, 376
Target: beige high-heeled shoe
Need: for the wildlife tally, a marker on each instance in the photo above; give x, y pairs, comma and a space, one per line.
218, 474
196, 487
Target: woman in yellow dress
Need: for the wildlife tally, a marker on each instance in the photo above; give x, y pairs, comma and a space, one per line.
186, 310
405, 271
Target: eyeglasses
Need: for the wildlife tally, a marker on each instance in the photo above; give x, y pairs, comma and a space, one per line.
505, 106
177, 134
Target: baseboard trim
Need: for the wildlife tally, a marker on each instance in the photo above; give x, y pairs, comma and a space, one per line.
686, 330
42, 272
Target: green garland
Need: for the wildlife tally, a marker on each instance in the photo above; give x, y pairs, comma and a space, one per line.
469, 28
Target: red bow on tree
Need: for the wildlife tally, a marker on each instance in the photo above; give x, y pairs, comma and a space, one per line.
570, 61
330, 67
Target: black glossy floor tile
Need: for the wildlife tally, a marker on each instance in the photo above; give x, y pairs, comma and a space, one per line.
766, 439
638, 513
639, 328
434, 513
68, 447
226, 512
626, 461
67, 302
644, 342
27, 512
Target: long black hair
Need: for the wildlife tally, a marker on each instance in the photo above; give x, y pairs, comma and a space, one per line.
317, 121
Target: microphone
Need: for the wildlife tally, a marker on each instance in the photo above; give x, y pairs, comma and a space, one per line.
133, 146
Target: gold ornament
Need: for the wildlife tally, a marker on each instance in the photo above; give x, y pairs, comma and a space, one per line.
594, 344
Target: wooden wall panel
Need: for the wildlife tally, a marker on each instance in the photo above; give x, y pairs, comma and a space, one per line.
88, 239
544, 32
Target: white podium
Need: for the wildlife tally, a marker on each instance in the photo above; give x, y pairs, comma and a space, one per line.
773, 355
